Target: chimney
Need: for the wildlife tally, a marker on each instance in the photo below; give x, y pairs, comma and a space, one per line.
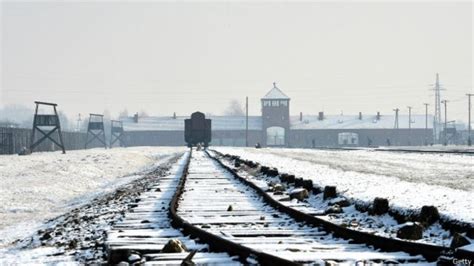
378, 115
174, 115
135, 118
360, 115
321, 116
301, 116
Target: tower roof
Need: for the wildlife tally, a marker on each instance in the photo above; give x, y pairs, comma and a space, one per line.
275, 93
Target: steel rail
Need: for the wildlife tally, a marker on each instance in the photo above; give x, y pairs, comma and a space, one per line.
430, 252
215, 242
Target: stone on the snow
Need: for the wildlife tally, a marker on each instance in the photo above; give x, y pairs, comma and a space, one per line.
278, 188
287, 178
272, 172
354, 223
330, 263
341, 201
73, 244
134, 258
329, 192
230, 208
308, 184
291, 179
299, 182
24, 151
333, 209
428, 215
316, 190
264, 170
380, 206
299, 194
174, 246
45, 236
459, 241
284, 177
411, 231
251, 164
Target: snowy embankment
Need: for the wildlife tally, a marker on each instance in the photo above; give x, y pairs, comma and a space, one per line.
409, 181
43, 185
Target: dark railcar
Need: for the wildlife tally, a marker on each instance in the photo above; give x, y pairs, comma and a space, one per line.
197, 130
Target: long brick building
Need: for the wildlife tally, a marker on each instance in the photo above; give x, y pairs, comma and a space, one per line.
275, 127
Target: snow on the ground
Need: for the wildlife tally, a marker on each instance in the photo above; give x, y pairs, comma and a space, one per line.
408, 180
43, 185
433, 148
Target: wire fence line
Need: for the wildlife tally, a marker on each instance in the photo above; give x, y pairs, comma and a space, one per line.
13, 140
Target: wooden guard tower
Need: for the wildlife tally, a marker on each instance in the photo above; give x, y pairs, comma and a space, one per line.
96, 129
116, 133
49, 124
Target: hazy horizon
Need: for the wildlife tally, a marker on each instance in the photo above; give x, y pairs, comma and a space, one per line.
163, 57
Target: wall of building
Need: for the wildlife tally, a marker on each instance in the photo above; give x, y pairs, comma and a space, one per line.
235, 138
176, 138
304, 138
378, 137
154, 138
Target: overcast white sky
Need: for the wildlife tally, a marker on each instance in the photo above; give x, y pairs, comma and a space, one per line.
167, 57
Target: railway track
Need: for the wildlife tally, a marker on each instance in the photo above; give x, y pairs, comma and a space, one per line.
213, 200
143, 233
213, 209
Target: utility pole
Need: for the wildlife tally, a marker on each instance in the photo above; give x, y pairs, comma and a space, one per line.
396, 125
246, 121
445, 102
469, 141
79, 122
409, 124
426, 123
396, 117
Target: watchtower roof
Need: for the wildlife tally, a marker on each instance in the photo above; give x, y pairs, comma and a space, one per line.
275, 94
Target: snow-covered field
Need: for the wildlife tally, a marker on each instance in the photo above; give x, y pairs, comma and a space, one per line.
408, 180
434, 148
43, 185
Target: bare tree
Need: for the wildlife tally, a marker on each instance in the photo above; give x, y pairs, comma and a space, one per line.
123, 113
65, 122
234, 109
143, 113
20, 115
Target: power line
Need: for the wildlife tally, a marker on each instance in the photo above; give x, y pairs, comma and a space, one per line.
469, 141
